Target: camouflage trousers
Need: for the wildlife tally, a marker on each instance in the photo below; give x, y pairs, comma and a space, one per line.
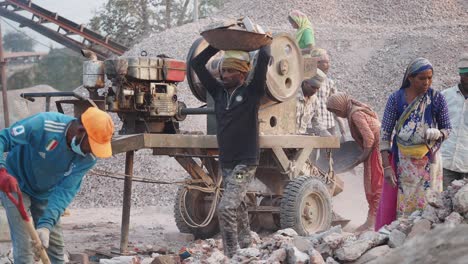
232, 210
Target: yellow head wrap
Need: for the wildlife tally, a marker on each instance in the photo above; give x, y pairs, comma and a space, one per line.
303, 23
237, 60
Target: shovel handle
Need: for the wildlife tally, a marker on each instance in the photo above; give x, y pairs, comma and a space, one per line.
29, 224
35, 237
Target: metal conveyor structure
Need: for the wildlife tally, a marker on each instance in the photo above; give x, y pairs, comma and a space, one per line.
104, 47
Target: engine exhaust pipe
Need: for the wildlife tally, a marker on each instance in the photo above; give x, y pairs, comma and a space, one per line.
89, 54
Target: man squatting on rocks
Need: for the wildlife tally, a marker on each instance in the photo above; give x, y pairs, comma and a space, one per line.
49, 154
236, 110
455, 148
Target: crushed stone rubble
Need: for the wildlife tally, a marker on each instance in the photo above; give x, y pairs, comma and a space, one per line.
445, 210
448, 210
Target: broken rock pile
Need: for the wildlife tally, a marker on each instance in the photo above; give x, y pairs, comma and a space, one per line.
446, 210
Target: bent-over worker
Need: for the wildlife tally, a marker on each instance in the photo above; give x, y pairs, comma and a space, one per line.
49, 154
364, 126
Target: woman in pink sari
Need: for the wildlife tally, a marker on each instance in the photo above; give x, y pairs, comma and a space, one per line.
365, 129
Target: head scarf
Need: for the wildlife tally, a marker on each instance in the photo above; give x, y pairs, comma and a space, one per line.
237, 60
416, 66
345, 104
463, 64
318, 79
302, 22
320, 54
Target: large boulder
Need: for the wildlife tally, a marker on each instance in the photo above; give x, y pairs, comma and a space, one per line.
460, 201
441, 245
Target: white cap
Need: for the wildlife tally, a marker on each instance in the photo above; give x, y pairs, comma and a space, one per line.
463, 62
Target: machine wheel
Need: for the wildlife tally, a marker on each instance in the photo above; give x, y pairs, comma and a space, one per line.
306, 206
197, 205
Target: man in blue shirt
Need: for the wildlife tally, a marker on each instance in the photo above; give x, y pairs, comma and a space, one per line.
49, 154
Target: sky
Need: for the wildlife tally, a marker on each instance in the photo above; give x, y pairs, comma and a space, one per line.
78, 11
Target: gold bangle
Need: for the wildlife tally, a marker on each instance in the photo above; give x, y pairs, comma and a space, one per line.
387, 167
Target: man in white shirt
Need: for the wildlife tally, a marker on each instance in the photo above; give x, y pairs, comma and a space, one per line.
455, 148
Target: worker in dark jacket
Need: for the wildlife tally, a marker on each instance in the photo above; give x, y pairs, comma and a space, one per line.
236, 109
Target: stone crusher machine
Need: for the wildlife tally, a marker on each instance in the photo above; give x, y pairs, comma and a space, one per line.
289, 191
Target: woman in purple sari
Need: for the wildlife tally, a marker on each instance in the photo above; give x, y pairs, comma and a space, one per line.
418, 118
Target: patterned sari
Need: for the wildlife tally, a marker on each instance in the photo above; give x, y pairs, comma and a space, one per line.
416, 174
417, 163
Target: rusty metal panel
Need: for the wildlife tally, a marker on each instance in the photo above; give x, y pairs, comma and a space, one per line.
300, 158
298, 141
126, 143
140, 141
282, 159
278, 118
310, 67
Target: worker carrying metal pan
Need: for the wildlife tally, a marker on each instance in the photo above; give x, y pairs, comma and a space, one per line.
49, 154
236, 109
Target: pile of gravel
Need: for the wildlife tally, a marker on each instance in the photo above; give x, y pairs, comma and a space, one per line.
370, 43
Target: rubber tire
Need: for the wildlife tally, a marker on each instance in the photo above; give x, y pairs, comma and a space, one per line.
193, 203
294, 194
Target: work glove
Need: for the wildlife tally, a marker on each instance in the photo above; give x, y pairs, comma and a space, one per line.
433, 134
44, 235
389, 176
38, 246
8, 183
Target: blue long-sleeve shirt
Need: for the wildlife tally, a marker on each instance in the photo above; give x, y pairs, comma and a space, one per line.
45, 167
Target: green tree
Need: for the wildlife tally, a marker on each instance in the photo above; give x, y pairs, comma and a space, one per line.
129, 21
123, 20
61, 69
15, 42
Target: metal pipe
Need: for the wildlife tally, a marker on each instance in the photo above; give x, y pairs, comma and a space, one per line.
197, 111
6, 114
89, 54
47, 104
127, 202
70, 26
29, 96
195, 10
52, 34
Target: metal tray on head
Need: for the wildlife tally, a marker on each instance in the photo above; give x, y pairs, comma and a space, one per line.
344, 156
235, 39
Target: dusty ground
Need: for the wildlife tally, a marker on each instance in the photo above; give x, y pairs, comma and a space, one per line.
99, 228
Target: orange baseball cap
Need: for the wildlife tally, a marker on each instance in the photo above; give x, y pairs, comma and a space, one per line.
100, 128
